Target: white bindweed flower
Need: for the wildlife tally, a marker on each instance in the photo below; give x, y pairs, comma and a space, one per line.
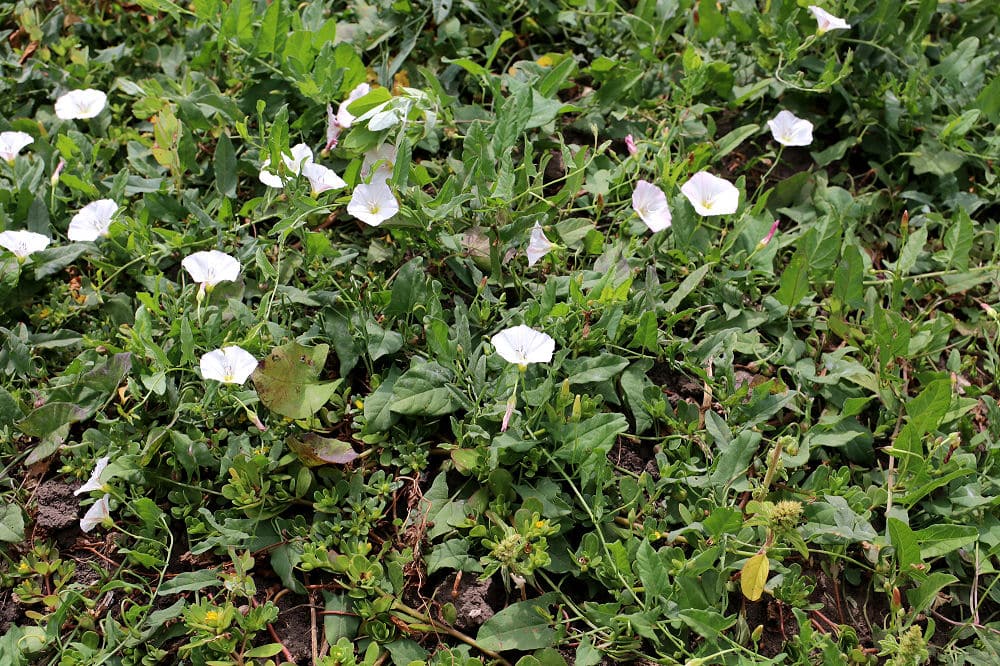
301, 155
92, 221
80, 104
23, 243
99, 513
711, 195
523, 345
211, 267
373, 204
825, 21
321, 178
11, 144
229, 365
538, 245
94, 482
383, 159
650, 204
790, 130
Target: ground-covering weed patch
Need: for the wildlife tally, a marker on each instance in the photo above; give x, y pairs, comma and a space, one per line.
571, 332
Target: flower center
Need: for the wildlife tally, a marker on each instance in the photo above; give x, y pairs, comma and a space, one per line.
373, 207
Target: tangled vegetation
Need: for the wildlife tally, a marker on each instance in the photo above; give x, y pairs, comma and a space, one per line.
568, 332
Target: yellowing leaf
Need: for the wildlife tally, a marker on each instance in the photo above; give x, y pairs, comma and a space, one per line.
754, 576
286, 380
314, 450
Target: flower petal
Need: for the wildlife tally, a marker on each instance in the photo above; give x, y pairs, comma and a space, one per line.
538, 245
373, 204
711, 195
94, 482
80, 104
98, 512
23, 243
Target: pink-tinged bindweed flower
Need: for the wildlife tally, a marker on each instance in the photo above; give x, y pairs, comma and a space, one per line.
538, 245
343, 119
301, 155
93, 221
23, 243
99, 513
522, 345
211, 267
229, 365
80, 104
55, 174
770, 234
373, 204
321, 178
11, 144
650, 204
711, 195
790, 130
630, 145
825, 21
94, 482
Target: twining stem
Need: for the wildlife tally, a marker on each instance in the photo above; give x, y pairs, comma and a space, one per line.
400, 607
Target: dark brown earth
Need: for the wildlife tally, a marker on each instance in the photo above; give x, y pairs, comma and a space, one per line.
475, 600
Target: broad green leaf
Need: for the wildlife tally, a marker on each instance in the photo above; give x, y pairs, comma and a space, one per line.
689, 284
425, 390
733, 139
378, 406
520, 626
650, 569
911, 251
706, 622
905, 543
958, 241
225, 166
11, 523
594, 369
938, 540
189, 581
923, 596
927, 409
50, 417
314, 450
794, 283
452, 554
753, 576
286, 380
54, 259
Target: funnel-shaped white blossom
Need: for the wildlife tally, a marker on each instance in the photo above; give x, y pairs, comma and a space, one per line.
383, 160
321, 178
373, 204
790, 130
825, 21
538, 245
98, 513
229, 365
711, 195
92, 221
301, 155
211, 267
523, 345
11, 144
650, 204
23, 243
94, 482
80, 104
